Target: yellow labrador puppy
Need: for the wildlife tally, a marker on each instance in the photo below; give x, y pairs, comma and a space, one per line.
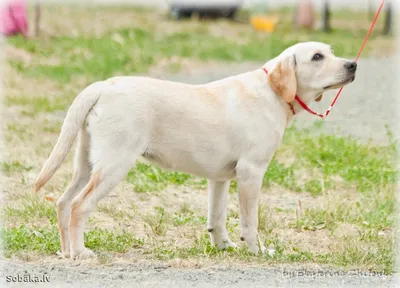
221, 130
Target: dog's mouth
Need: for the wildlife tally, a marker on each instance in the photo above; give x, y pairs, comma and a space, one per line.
342, 83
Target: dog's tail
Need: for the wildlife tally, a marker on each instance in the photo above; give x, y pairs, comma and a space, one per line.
73, 122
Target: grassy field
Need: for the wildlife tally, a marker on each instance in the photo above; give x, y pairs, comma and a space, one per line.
325, 199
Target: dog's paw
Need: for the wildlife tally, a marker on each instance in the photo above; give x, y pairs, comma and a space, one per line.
253, 247
221, 240
251, 241
259, 248
61, 255
227, 244
84, 254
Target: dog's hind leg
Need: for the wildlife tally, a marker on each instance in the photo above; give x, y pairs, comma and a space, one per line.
79, 180
111, 162
217, 212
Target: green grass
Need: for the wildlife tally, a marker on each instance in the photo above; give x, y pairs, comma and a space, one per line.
315, 187
147, 178
181, 218
21, 131
111, 241
112, 211
23, 238
281, 175
31, 208
265, 222
9, 168
365, 166
315, 219
157, 221
40, 104
46, 240
377, 257
372, 210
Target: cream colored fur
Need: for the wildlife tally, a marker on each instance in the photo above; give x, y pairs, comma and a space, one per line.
220, 131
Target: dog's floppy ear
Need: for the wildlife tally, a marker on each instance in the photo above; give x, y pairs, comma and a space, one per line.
282, 78
318, 98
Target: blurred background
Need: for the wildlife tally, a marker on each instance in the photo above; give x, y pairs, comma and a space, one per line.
78, 42
328, 195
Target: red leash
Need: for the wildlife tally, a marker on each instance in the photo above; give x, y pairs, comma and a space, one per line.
304, 105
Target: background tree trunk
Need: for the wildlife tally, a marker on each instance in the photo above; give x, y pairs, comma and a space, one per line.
388, 20
326, 16
37, 18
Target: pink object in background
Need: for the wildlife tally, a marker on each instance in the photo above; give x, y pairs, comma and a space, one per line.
305, 14
13, 18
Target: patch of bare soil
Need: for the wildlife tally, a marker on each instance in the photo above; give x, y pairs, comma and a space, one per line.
183, 65
15, 84
14, 53
89, 21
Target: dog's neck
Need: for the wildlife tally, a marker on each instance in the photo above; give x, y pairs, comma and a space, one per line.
294, 108
306, 96
291, 109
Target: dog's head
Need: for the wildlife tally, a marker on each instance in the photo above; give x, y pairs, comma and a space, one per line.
309, 68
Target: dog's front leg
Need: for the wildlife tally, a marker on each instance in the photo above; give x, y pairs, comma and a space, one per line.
249, 184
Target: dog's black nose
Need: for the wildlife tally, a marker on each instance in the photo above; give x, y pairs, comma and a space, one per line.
351, 66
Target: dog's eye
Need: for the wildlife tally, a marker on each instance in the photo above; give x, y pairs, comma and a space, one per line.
317, 57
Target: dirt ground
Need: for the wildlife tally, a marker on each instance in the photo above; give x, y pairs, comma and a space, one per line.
161, 275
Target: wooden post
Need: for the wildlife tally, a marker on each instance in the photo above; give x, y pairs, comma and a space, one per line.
37, 18
326, 17
388, 20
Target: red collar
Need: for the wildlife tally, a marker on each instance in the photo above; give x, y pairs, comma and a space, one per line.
302, 104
